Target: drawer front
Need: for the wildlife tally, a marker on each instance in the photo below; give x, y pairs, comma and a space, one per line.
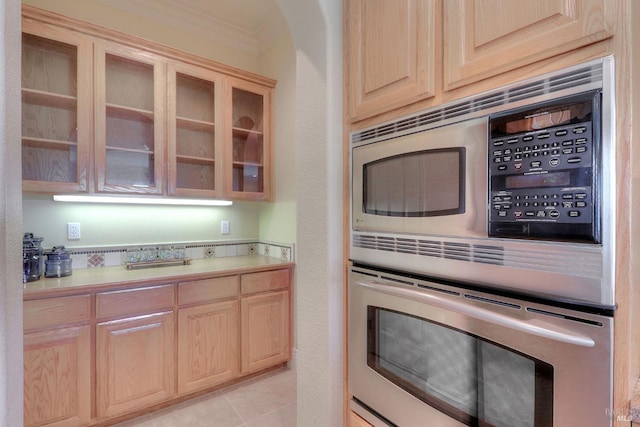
265, 281
43, 313
134, 301
209, 290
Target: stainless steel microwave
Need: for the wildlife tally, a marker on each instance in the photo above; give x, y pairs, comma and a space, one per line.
432, 182
512, 189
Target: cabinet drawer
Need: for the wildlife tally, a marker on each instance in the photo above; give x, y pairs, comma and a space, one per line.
60, 311
208, 290
266, 281
134, 301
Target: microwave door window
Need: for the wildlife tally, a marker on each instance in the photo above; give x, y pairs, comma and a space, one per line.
418, 184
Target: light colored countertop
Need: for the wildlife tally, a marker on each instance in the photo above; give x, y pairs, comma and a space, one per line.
92, 279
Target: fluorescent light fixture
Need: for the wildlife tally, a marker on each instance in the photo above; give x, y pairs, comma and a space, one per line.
140, 200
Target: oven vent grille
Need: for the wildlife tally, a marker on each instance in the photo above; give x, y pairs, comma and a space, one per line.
486, 254
585, 264
488, 102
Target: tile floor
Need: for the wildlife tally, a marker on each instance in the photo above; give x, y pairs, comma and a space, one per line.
265, 401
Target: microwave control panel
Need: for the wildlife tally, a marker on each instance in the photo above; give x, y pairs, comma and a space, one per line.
543, 172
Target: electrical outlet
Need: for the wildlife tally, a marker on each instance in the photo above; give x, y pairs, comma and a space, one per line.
224, 227
73, 230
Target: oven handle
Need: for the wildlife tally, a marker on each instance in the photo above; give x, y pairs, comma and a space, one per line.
529, 327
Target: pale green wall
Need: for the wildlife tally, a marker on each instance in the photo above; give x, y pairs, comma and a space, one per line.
115, 225
122, 225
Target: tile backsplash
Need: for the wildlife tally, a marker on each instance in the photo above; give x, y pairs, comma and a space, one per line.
112, 256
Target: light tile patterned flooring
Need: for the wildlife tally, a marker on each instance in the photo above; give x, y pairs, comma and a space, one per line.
268, 400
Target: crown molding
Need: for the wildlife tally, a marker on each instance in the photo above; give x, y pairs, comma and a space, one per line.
206, 25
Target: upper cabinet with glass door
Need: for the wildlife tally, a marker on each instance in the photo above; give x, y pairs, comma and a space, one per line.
56, 109
129, 138
194, 163
250, 152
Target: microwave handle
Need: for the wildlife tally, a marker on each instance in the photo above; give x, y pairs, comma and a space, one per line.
539, 328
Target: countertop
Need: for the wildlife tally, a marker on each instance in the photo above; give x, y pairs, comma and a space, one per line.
92, 279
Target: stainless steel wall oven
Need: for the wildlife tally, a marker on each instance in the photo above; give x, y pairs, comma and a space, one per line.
425, 353
481, 286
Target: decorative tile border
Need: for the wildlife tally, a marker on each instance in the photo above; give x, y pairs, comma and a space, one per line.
113, 256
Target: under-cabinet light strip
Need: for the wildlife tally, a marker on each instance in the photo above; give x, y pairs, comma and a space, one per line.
140, 200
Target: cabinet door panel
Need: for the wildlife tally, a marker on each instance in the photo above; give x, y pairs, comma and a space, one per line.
56, 109
207, 345
391, 54
265, 330
489, 37
57, 377
249, 153
130, 115
194, 148
134, 363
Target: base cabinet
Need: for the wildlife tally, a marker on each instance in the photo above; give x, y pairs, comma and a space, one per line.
207, 345
265, 330
134, 363
57, 377
119, 352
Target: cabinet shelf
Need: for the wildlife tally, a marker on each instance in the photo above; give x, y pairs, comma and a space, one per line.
50, 99
237, 164
130, 150
195, 160
129, 113
245, 132
193, 124
48, 143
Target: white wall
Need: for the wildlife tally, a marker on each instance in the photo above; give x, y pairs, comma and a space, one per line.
99, 13
10, 218
278, 219
316, 26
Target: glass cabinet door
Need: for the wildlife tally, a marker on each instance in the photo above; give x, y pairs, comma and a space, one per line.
250, 150
130, 87
194, 150
56, 109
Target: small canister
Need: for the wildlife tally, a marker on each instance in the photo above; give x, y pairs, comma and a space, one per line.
31, 258
58, 262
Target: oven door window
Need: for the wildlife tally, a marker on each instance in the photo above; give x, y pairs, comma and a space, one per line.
418, 184
477, 382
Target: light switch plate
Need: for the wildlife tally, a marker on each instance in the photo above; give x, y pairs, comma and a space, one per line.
224, 227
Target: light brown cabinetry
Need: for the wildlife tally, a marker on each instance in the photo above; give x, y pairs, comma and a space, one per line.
249, 156
57, 362
391, 54
56, 108
265, 320
113, 353
484, 38
421, 53
110, 113
195, 139
129, 138
208, 351
135, 354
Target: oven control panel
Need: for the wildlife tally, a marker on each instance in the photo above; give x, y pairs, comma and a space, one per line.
543, 172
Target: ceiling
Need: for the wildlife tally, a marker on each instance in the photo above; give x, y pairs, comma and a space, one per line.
249, 25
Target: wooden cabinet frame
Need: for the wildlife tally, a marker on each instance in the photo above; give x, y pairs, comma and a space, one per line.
132, 113
81, 103
165, 62
115, 352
